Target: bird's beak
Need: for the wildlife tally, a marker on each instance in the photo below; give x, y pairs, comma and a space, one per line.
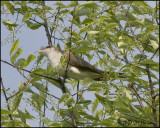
40, 51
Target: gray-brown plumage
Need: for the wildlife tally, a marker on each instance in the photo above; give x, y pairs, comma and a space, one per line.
78, 68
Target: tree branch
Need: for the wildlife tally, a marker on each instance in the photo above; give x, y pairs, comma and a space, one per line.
32, 72
154, 53
28, 79
46, 27
6, 98
137, 95
139, 48
152, 96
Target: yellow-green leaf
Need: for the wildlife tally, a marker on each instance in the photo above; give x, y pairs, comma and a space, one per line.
94, 106
10, 7
16, 100
30, 58
69, 101
128, 95
14, 46
148, 61
89, 4
26, 16
93, 32
63, 98
154, 44
16, 54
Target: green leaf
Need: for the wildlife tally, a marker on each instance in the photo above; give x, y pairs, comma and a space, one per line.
35, 26
83, 30
154, 44
69, 101
100, 98
131, 16
10, 26
114, 62
93, 32
3, 112
89, 4
14, 46
85, 102
26, 16
39, 70
16, 100
136, 23
63, 98
95, 105
82, 42
21, 63
40, 57
148, 61
135, 70
30, 58
31, 25
128, 95
90, 117
97, 86
110, 26
83, 49
87, 21
82, 11
22, 116
36, 77
122, 44
137, 9
54, 124
39, 86
38, 100
10, 7
9, 23
16, 54
59, 3
137, 57
49, 67
100, 20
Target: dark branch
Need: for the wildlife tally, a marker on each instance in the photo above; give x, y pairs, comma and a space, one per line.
6, 98
154, 53
152, 96
32, 72
137, 95
139, 48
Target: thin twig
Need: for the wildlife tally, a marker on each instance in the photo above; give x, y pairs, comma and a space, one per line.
31, 72
44, 109
6, 98
154, 53
77, 91
137, 95
157, 13
46, 27
136, 117
152, 96
78, 81
139, 48
65, 76
54, 22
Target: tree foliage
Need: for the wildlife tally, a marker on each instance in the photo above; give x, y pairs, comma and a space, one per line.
122, 36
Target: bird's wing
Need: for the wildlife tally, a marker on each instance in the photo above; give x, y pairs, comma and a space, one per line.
80, 63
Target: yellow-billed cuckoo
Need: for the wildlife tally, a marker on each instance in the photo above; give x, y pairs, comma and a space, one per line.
78, 68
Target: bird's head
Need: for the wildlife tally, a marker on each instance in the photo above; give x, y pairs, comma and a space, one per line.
47, 50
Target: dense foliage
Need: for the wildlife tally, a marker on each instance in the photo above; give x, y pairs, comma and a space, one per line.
120, 36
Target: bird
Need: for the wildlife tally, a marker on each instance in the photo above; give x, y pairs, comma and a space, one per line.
77, 68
